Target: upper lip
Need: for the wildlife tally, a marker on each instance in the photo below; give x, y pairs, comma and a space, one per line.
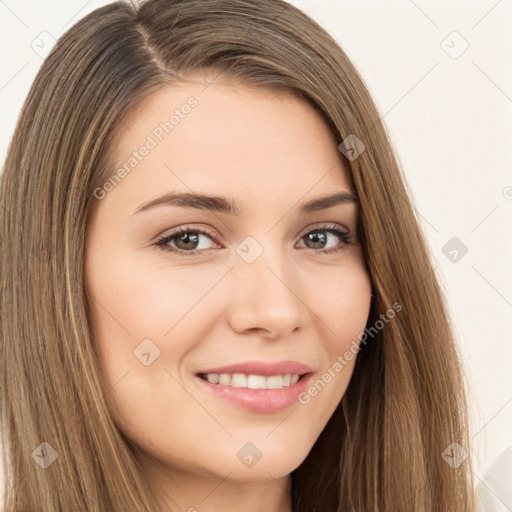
261, 368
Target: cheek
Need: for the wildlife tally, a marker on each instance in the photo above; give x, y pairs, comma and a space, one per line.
131, 301
144, 314
342, 303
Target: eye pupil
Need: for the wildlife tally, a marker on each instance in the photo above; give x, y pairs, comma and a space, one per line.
317, 236
189, 237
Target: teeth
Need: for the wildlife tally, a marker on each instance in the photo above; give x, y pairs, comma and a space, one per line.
224, 379
256, 382
213, 378
275, 382
240, 380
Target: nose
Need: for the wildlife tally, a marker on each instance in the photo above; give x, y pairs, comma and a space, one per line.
266, 297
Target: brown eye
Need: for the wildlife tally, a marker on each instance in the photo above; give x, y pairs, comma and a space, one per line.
319, 238
186, 241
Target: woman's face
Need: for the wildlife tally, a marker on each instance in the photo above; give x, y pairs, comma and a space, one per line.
272, 283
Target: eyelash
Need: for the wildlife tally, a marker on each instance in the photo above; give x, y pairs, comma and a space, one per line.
162, 242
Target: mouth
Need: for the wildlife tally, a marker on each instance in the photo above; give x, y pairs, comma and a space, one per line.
252, 381
263, 391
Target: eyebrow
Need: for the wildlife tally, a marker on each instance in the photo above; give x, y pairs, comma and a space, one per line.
230, 207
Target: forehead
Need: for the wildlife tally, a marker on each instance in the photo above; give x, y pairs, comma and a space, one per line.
229, 140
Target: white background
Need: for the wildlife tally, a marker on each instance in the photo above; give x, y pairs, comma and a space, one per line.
451, 122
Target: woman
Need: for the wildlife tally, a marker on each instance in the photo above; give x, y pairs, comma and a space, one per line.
214, 287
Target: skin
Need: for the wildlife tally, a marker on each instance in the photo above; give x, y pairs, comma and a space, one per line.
270, 152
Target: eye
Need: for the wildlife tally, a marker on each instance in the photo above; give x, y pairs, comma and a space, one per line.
319, 238
189, 241
184, 238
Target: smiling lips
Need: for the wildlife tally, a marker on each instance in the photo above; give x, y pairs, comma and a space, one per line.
241, 380
258, 386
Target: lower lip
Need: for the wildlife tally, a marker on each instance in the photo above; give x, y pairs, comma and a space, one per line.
260, 400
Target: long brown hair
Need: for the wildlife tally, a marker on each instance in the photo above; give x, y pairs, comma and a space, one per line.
382, 450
